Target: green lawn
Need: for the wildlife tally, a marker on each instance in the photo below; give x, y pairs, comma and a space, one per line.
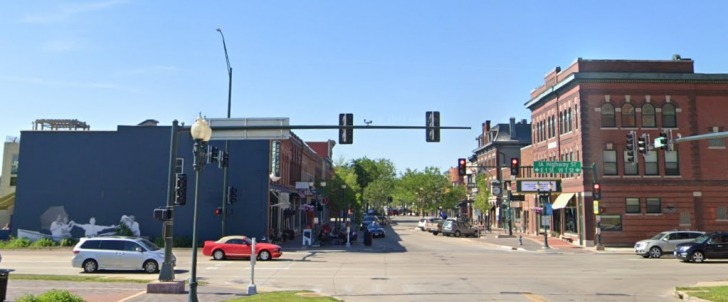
710, 293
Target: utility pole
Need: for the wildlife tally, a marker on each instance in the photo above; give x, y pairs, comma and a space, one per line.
227, 142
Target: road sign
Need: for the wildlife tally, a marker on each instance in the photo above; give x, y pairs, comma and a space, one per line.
545, 221
518, 197
534, 185
596, 207
569, 167
245, 134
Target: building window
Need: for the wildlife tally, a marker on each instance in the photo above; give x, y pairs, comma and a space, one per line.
13, 181
630, 168
610, 162
14, 165
651, 163
628, 116
611, 223
654, 205
684, 218
669, 120
718, 143
633, 206
720, 213
570, 119
672, 166
608, 115
648, 116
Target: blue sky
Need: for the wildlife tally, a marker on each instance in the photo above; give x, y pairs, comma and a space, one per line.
119, 62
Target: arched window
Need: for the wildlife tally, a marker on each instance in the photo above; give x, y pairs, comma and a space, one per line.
628, 116
608, 115
669, 120
569, 120
648, 116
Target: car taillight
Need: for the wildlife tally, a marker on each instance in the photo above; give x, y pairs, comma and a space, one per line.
75, 252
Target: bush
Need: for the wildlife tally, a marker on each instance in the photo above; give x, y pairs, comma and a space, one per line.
67, 242
53, 295
124, 230
16, 243
43, 242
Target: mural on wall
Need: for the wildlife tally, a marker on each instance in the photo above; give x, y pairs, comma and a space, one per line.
56, 221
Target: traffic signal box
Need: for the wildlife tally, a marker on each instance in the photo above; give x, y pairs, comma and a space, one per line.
232, 195
346, 135
597, 191
515, 166
180, 189
630, 146
432, 122
462, 166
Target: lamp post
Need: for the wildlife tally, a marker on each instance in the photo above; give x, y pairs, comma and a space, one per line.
201, 134
346, 217
227, 143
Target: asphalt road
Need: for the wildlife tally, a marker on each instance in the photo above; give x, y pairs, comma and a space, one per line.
407, 265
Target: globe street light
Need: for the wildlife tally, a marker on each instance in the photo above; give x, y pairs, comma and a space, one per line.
346, 217
201, 133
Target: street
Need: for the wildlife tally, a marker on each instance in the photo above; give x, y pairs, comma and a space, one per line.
411, 265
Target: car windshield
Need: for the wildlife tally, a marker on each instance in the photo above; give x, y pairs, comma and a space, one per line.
659, 236
149, 245
702, 238
447, 224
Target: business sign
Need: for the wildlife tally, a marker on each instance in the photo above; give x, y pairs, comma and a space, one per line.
250, 128
567, 167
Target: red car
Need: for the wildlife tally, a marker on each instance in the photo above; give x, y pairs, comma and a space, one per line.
239, 247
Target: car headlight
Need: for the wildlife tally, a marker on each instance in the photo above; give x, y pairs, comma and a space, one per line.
683, 248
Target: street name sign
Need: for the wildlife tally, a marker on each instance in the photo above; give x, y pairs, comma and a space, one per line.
567, 167
267, 128
538, 185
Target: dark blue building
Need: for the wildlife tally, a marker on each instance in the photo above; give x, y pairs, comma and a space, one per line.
115, 176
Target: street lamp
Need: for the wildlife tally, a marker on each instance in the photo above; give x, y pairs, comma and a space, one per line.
201, 133
346, 217
227, 143
323, 192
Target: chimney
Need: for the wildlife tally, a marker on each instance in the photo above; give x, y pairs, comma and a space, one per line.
513, 128
487, 130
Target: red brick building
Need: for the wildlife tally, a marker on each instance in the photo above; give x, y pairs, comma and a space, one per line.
584, 113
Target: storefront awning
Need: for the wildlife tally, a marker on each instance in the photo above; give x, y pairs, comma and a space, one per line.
562, 200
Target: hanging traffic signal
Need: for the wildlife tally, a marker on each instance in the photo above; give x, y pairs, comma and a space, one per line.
346, 134
597, 191
232, 195
515, 166
432, 121
224, 159
642, 144
180, 189
462, 168
213, 154
218, 211
661, 141
630, 147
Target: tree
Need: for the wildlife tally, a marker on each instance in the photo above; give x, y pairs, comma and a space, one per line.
482, 201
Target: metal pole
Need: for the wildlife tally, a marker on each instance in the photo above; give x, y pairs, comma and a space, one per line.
167, 272
253, 255
199, 149
546, 226
227, 143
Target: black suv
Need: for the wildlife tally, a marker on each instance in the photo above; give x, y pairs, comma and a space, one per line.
708, 246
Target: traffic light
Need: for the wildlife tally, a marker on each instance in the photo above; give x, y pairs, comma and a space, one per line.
232, 195
597, 191
346, 135
462, 168
224, 159
515, 166
630, 147
642, 144
432, 121
162, 214
213, 154
180, 189
218, 211
661, 141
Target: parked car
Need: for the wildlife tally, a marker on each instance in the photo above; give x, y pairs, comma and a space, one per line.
707, 246
376, 229
118, 253
457, 228
434, 226
422, 225
239, 246
664, 242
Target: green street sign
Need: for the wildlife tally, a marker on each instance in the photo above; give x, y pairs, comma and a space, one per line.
567, 167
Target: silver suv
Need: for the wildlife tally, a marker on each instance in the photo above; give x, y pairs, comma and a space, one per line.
664, 242
457, 228
118, 253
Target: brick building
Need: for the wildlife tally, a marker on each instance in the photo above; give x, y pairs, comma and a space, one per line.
584, 112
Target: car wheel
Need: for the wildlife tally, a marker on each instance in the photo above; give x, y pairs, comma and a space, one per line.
434, 233
151, 266
218, 255
476, 235
697, 256
90, 266
264, 255
655, 252
457, 233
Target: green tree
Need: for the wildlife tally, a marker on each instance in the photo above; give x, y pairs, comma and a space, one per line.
482, 202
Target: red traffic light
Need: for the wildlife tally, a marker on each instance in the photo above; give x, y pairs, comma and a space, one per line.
218, 211
462, 166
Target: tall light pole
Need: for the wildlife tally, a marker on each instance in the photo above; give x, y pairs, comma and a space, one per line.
229, 105
201, 134
166, 274
346, 217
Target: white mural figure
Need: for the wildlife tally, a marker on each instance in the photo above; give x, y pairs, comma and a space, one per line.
91, 228
61, 228
130, 222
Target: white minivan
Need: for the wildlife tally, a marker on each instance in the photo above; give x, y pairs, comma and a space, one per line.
118, 253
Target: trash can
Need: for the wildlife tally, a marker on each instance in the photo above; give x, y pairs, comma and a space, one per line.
367, 238
4, 274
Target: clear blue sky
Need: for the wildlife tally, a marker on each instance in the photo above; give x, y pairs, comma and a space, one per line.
119, 62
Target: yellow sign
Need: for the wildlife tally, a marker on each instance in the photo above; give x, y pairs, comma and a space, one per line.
596, 207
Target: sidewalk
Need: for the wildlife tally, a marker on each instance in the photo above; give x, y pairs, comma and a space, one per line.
530, 242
